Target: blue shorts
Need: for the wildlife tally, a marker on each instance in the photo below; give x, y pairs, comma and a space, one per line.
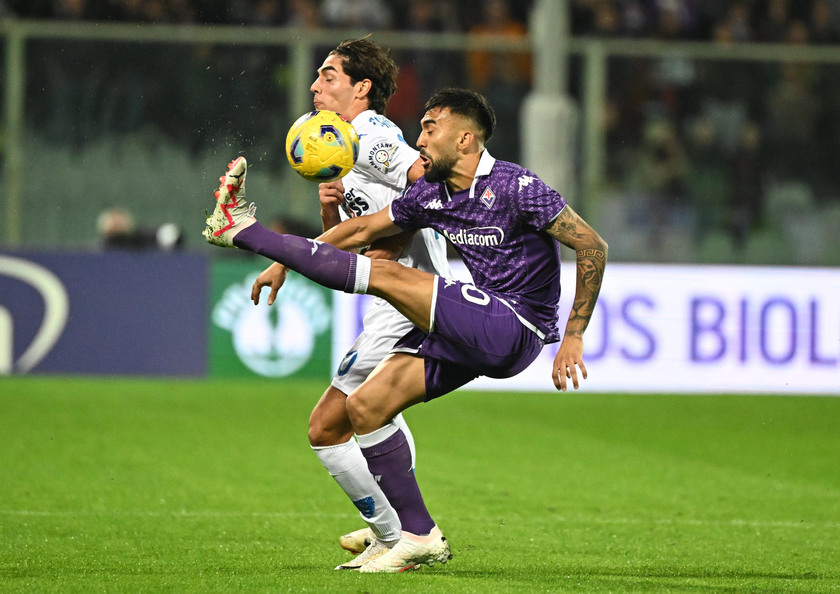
473, 334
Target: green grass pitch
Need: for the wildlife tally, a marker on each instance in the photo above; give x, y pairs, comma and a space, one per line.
127, 485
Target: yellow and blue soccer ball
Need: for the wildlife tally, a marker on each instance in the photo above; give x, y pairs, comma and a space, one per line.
322, 146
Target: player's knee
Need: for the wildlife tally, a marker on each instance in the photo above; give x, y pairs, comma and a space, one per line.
326, 432
362, 415
318, 435
356, 409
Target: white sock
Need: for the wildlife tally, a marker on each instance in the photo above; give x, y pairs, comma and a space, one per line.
363, 266
348, 467
377, 436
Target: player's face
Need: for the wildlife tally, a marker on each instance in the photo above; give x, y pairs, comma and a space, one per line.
437, 142
333, 89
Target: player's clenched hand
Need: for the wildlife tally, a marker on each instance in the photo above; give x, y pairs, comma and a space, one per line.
331, 193
274, 276
569, 358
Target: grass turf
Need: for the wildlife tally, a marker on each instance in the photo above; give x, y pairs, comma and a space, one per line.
199, 486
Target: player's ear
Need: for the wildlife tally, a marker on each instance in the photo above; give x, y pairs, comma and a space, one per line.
363, 87
465, 139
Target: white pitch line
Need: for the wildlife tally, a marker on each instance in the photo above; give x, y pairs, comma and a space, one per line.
694, 522
169, 514
735, 522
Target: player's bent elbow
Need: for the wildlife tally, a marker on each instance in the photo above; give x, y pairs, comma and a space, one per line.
604, 247
597, 243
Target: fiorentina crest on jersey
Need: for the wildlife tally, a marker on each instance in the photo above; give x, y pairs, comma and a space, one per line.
488, 197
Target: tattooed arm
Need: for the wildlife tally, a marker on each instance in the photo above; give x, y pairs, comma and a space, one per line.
573, 232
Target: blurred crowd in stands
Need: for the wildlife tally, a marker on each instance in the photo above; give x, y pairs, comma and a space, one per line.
90, 88
796, 21
452, 15
801, 21
704, 143
696, 141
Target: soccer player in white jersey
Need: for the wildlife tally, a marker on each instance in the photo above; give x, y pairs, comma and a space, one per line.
356, 80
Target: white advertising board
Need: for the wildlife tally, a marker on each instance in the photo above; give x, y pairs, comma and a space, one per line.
688, 329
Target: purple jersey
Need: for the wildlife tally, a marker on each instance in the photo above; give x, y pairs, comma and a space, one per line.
497, 228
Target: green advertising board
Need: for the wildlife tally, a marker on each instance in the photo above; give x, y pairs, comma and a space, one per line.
292, 338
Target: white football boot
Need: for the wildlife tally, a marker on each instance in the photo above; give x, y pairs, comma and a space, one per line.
231, 214
410, 551
375, 550
357, 541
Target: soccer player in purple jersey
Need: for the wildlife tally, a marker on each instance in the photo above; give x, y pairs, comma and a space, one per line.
505, 223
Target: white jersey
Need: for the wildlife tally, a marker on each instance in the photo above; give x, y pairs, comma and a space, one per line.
379, 176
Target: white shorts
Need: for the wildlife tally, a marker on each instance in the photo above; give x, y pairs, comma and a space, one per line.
383, 327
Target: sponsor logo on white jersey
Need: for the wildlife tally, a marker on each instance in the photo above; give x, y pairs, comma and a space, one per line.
355, 205
381, 155
480, 236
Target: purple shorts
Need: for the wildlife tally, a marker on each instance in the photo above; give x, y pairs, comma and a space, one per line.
473, 333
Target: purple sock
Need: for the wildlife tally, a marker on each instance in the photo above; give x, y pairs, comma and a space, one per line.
325, 264
391, 460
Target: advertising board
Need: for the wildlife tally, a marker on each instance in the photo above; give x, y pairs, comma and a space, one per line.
689, 329
114, 313
656, 328
293, 337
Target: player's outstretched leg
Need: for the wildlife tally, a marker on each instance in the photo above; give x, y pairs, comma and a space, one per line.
232, 214
232, 224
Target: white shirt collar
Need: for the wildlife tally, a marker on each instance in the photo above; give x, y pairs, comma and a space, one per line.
366, 113
485, 166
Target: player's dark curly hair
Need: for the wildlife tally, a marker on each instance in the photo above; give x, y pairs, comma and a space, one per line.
363, 58
468, 104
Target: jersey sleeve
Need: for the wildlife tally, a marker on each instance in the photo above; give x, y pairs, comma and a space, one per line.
387, 158
404, 210
537, 202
